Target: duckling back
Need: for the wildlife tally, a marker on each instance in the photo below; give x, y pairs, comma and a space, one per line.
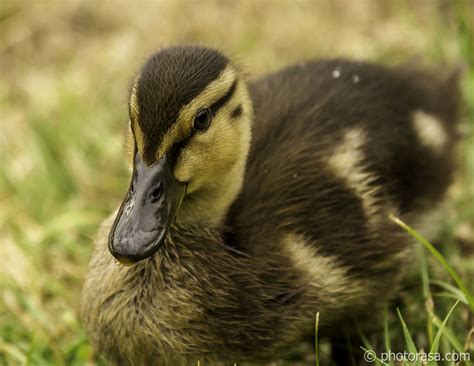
337, 137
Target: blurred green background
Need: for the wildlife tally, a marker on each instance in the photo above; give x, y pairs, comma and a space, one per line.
65, 69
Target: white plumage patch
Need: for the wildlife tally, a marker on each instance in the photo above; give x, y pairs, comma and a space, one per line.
324, 272
347, 161
430, 130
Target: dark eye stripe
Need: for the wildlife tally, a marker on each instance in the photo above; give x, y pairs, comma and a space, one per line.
175, 149
224, 99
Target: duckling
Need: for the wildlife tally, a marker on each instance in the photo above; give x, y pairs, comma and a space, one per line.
253, 205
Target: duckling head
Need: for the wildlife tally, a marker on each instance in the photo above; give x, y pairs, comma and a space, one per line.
190, 126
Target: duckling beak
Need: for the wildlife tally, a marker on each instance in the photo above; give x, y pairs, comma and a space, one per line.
147, 211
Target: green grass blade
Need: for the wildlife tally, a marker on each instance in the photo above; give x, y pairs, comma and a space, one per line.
435, 345
408, 339
386, 330
453, 291
449, 336
426, 292
439, 257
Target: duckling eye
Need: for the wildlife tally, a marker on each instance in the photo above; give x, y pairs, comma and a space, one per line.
202, 120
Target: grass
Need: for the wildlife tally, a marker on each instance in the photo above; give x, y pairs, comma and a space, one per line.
453, 342
63, 90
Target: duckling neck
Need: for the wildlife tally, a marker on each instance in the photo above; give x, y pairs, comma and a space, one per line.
209, 205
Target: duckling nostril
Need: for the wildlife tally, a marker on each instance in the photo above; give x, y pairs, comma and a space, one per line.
128, 207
